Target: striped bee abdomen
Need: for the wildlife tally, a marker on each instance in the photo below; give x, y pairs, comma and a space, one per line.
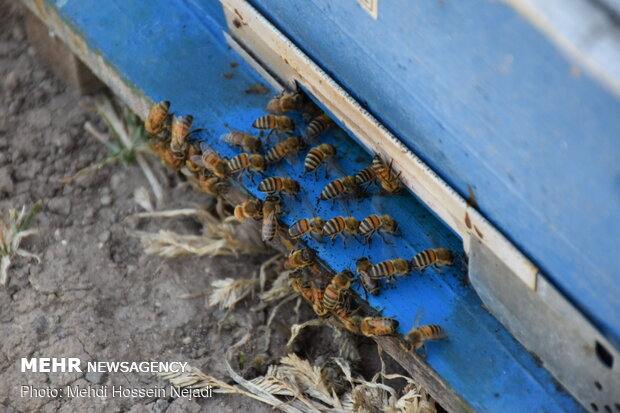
369, 225
365, 175
334, 227
299, 228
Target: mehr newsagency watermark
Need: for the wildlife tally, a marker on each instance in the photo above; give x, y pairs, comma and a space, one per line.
72, 364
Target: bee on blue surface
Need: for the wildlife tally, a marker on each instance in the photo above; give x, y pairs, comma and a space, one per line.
317, 156
338, 188
373, 224
243, 140
288, 147
275, 184
339, 226
313, 226
285, 102
389, 180
318, 125
432, 257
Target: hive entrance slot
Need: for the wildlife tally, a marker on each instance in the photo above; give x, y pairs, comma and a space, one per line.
604, 355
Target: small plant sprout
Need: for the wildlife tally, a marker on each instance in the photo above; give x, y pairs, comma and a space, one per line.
11, 236
126, 141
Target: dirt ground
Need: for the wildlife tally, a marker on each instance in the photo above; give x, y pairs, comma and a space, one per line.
96, 295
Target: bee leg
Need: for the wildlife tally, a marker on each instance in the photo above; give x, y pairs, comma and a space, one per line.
333, 239
365, 293
406, 346
268, 135
326, 174
384, 240
194, 131
316, 238
344, 240
424, 354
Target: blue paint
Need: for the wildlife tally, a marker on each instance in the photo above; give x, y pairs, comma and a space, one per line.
172, 54
486, 100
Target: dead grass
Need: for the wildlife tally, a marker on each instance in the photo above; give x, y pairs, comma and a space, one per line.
294, 385
217, 238
11, 235
228, 292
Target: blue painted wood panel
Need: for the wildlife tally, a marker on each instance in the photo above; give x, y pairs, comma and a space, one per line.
486, 100
175, 54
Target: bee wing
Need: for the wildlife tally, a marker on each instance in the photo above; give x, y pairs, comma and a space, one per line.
197, 159
419, 315
224, 137
337, 167
291, 158
268, 220
205, 147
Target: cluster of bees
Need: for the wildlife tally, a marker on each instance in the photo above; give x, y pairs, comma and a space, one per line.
170, 139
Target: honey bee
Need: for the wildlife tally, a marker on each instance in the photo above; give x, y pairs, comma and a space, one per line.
249, 209
317, 299
371, 285
193, 167
390, 181
274, 122
288, 147
301, 258
310, 292
243, 140
318, 125
303, 226
162, 150
390, 269
434, 257
301, 288
340, 225
213, 162
180, 131
378, 326
373, 223
365, 175
317, 156
285, 102
271, 210
333, 296
244, 162
212, 185
418, 336
338, 187
348, 321
156, 120
275, 184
